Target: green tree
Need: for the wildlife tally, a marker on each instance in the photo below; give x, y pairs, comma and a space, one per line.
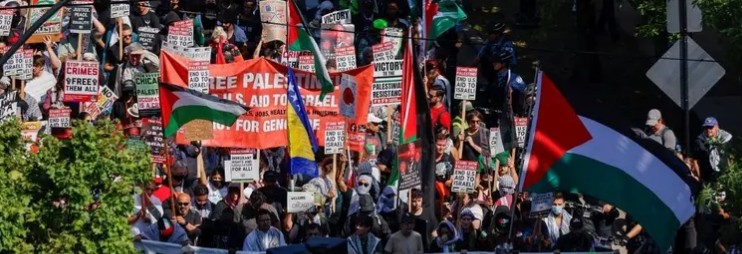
69, 171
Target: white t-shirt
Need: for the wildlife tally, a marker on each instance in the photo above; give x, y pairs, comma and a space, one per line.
216, 195
140, 226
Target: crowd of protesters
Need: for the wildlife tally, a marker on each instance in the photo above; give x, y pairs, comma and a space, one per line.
357, 204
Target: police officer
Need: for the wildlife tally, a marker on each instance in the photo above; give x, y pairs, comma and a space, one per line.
495, 43
508, 84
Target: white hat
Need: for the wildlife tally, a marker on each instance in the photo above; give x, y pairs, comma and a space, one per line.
133, 110
373, 118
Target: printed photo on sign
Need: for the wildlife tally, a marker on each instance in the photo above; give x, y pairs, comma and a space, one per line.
334, 36
348, 94
148, 94
466, 84
299, 201
464, 175
59, 118
394, 35
410, 165
273, 15
521, 126
345, 58
383, 51
334, 137
81, 81
337, 17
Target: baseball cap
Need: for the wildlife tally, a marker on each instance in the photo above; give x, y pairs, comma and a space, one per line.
270, 176
373, 118
710, 122
431, 64
408, 218
653, 117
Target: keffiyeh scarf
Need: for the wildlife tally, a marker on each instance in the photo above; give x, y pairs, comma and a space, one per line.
262, 241
355, 244
554, 230
447, 247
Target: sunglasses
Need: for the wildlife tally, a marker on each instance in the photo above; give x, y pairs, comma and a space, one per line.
184, 204
364, 184
126, 36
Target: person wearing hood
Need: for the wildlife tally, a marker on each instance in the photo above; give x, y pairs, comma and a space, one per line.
363, 240
387, 208
527, 234
709, 151
499, 226
222, 220
447, 239
577, 240
366, 208
472, 239
165, 231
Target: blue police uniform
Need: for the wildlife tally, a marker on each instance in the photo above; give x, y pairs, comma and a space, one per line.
491, 48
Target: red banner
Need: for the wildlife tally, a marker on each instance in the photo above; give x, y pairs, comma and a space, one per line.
260, 84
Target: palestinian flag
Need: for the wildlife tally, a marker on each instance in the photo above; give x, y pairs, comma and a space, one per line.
578, 146
447, 14
181, 105
301, 40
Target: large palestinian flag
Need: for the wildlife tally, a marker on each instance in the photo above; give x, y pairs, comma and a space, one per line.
578, 147
299, 39
181, 105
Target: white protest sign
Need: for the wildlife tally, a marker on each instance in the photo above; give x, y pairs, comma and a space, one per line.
181, 33
120, 10
8, 105
345, 58
334, 137
387, 86
243, 168
198, 68
464, 174
348, 94
394, 35
26, 71
106, 97
521, 126
541, 201
59, 118
14, 65
466, 84
337, 17
383, 51
299, 201
306, 62
495, 142
6, 21
290, 58
81, 81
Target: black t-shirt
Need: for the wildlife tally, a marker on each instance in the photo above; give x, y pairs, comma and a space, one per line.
429, 220
444, 168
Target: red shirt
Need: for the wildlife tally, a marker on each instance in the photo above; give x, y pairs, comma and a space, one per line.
440, 116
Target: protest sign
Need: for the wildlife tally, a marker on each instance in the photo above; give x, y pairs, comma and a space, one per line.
337, 17
345, 58
356, 135
59, 118
8, 106
120, 10
383, 51
243, 168
410, 164
387, 86
52, 27
541, 201
92, 109
521, 126
334, 36
260, 84
181, 33
299, 201
6, 21
26, 71
81, 19
80, 81
466, 84
14, 65
464, 175
106, 97
148, 94
135, 144
290, 58
334, 137
30, 131
348, 103
153, 137
306, 62
147, 37
495, 139
198, 68
394, 35
273, 15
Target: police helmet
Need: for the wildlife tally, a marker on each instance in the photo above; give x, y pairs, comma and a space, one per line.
497, 28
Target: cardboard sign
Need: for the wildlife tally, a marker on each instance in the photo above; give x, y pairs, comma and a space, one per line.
81, 19
387, 86
198, 129
80, 81
6, 21
306, 62
495, 139
181, 33
466, 84
243, 168
148, 94
394, 35
348, 96
52, 27
521, 126
541, 201
345, 58
410, 165
334, 137
120, 10
464, 175
337, 17
299, 201
273, 14
152, 134
8, 105
59, 118
147, 37
383, 51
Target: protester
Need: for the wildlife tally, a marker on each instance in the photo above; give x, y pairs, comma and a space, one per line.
711, 156
405, 240
558, 220
265, 236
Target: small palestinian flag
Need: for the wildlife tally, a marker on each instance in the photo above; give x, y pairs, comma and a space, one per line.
181, 105
578, 146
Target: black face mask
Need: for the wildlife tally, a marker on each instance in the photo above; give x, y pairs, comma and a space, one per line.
179, 177
217, 184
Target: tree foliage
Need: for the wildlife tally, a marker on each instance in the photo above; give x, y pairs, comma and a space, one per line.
68, 171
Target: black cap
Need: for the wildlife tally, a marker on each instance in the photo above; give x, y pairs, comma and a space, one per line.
408, 218
366, 204
270, 176
497, 28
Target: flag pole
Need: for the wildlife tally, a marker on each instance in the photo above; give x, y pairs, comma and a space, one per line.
168, 168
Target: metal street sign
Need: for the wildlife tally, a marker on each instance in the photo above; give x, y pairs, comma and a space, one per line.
703, 73
694, 17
